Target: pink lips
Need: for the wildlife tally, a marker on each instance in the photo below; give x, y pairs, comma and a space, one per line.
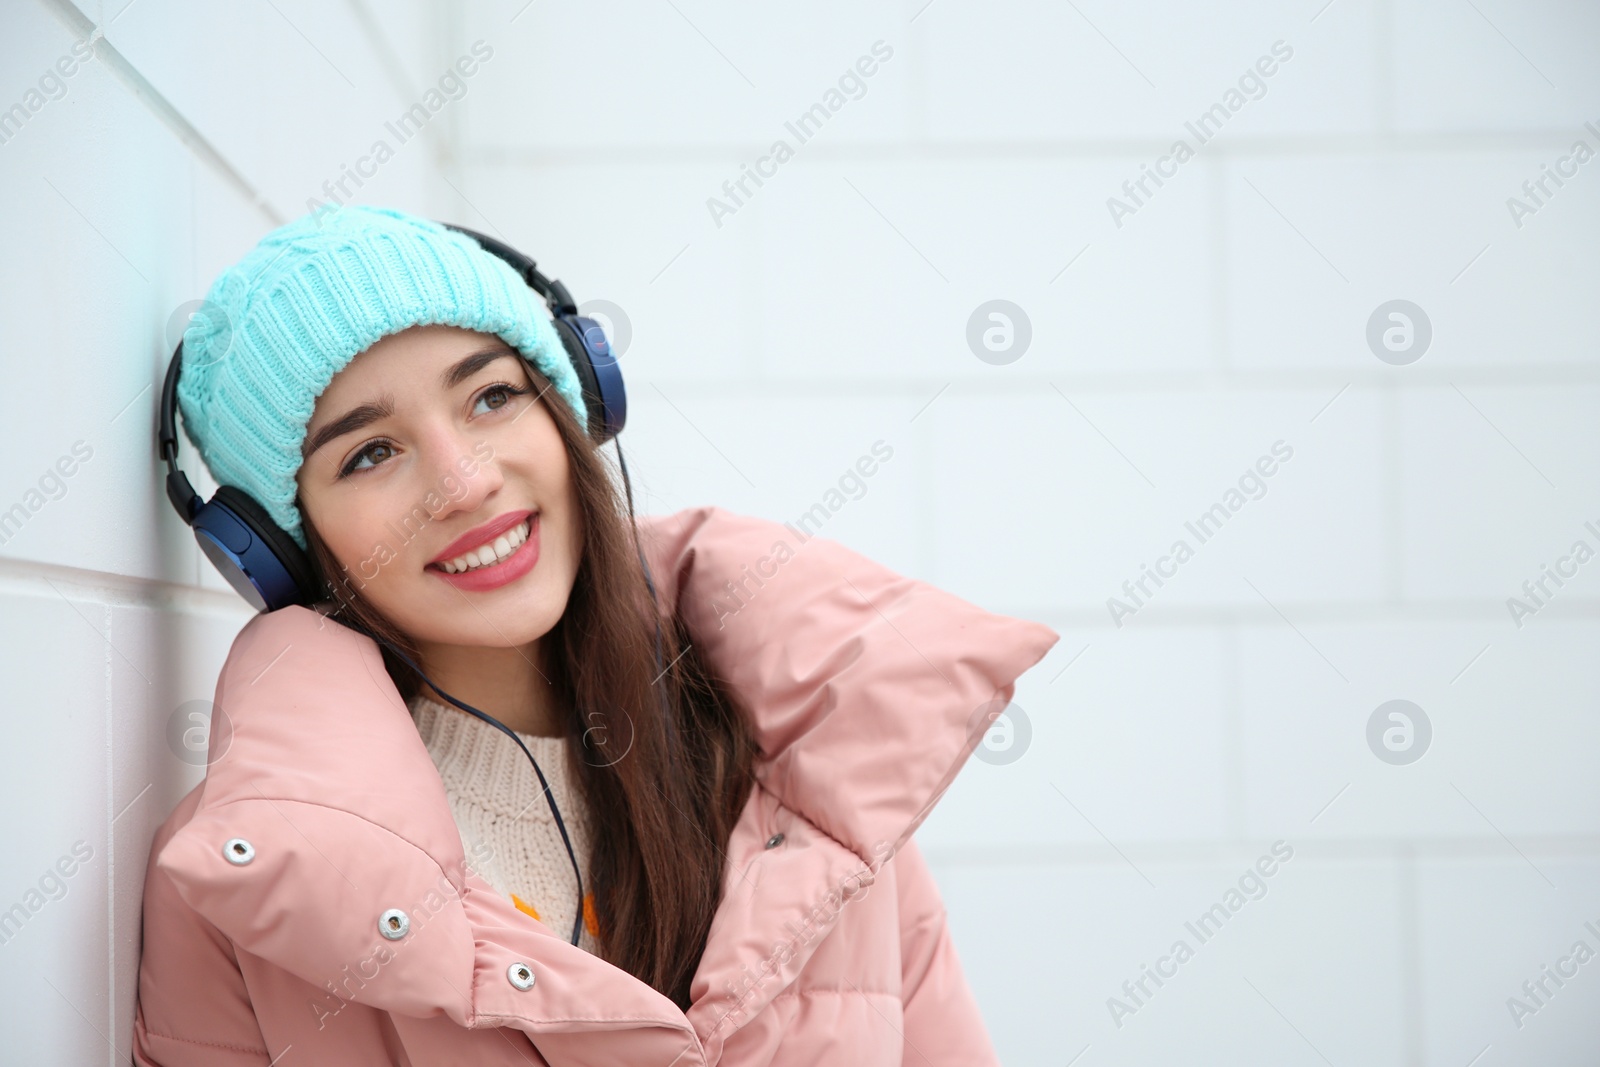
483, 579
481, 535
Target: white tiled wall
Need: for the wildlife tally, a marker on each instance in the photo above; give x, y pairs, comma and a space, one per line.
830, 311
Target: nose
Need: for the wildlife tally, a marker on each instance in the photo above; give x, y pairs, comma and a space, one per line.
462, 469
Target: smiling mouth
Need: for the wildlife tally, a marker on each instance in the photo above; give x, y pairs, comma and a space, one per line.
490, 554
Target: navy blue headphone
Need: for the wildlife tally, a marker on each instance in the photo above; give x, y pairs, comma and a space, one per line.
270, 570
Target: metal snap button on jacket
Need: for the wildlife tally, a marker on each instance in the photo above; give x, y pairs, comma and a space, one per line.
521, 975
238, 851
775, 840
393, 924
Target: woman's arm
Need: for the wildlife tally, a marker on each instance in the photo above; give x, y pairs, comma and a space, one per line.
942, 1022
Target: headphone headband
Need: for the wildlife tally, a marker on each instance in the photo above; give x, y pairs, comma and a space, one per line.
550, 289
262, 562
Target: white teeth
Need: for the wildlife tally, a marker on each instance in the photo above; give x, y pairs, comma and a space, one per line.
491, 553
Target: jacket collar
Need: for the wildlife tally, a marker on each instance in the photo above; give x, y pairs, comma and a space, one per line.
867, 689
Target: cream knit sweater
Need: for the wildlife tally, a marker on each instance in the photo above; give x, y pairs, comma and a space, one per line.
504, 817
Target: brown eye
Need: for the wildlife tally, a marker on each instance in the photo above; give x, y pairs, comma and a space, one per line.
502, 390
374, 446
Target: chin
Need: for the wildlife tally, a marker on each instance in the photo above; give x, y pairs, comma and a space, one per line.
508, 624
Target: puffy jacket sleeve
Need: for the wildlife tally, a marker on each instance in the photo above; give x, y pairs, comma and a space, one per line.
193, 1009
941, 1018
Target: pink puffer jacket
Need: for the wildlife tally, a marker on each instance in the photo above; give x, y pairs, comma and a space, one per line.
325, 818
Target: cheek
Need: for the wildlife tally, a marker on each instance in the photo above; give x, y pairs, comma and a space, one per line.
561, 526
543, 460
355, 553
354, 531
564, 536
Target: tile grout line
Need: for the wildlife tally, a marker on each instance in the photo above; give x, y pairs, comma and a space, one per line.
753, 287
923, 495
1233, 732
914, 118
1382, 142
111, 838
1383, 99
78, 23
1411, 958
451, 42
1172, 382
1217, 174
1391, 431
393, 69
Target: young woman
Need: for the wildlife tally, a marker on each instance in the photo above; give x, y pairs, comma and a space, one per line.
532, 781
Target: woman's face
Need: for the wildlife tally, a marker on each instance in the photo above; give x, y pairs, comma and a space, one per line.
428, 451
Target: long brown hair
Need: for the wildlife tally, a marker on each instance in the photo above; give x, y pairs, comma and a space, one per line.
661, 808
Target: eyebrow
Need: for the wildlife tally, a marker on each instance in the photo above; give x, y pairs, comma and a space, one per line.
363, 415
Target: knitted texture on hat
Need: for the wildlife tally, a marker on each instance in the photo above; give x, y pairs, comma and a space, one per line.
308, 299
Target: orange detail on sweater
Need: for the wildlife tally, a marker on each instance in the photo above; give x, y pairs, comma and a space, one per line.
591, 921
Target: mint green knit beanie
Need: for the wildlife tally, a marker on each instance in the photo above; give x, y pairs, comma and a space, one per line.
314, 294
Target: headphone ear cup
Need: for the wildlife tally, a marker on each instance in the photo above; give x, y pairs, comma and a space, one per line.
260, 560
579, 358
598, 373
